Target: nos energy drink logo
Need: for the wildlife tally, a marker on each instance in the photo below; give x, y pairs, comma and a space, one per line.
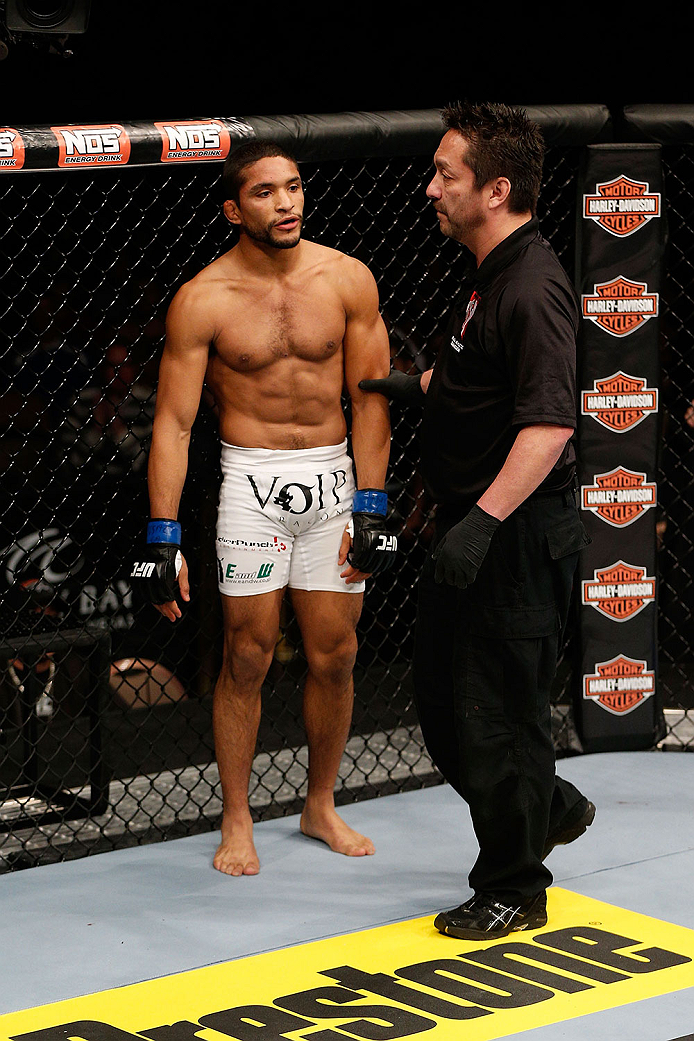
192, 140
11, 149
98, 145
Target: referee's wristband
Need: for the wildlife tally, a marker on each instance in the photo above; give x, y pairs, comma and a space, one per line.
162, 531
370, 500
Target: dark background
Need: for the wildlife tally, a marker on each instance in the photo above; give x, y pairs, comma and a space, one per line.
153, 59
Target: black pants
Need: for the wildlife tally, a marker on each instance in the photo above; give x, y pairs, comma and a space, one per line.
485, 658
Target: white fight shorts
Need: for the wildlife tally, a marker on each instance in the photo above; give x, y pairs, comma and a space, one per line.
281, 519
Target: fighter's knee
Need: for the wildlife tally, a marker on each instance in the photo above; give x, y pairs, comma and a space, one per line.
335, 662
247, 657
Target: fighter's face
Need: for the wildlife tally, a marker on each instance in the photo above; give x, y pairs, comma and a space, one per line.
271, 203
460, 206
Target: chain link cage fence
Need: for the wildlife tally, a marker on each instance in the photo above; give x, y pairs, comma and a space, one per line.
105, 707
675, 523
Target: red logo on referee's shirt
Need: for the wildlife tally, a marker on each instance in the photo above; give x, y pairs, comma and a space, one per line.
470, 310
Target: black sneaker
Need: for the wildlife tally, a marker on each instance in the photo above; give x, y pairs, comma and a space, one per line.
484, 918
572, 827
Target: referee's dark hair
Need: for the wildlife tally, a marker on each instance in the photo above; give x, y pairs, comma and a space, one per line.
502, 142
244, 156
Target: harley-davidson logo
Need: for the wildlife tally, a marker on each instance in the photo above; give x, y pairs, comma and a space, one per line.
621, 206
619, 685
619, 497
619, 402
620, 306
620, 591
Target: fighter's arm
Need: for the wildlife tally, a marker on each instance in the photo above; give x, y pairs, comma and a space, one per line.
367, 356
181, 377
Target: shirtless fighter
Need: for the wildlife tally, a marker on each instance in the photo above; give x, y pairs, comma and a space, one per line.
276, 326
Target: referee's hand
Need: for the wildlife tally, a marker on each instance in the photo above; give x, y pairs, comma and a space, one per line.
460, 552
397, 386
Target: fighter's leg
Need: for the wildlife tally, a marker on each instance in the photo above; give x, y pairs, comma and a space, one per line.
328, 622
251, 624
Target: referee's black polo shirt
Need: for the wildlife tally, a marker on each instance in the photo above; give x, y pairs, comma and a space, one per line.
508, 360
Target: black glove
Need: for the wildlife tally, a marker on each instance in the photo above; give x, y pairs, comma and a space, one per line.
460, 552
373, 547
398, 386
156, 568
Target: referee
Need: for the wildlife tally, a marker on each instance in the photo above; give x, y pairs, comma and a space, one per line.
498, 460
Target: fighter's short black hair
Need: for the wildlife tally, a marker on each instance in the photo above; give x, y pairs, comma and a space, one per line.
244, 156
502, 142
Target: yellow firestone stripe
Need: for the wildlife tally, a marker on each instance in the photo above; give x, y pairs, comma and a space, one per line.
273, 980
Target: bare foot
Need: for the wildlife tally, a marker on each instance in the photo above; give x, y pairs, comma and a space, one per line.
331, 829
236, 854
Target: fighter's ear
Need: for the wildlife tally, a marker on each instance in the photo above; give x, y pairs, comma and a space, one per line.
231, 211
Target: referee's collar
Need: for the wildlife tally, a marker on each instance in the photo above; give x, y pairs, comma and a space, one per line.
506, 250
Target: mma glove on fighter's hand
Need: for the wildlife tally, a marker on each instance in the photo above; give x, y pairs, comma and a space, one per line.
460, 552
373, 547
156, 569
397, 386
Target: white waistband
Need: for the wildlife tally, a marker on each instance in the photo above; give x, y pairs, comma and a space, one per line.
296, 457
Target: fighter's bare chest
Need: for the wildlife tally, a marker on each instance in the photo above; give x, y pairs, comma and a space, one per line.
255, 329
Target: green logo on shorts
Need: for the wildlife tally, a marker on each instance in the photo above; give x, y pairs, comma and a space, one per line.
265, 570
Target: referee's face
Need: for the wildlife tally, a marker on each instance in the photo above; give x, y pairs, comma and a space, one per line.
458, 203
